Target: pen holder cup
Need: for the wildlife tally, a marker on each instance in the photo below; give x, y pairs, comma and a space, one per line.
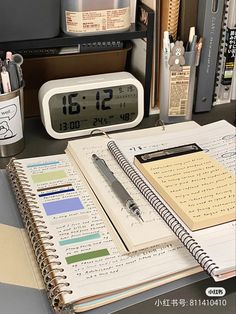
177, 91
11, 123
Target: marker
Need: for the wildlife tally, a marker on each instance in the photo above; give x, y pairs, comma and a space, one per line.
193, 43
166, 47
13, 74
6, 85
8, 56
190, 37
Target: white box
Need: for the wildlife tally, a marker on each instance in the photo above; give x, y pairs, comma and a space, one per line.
85, 17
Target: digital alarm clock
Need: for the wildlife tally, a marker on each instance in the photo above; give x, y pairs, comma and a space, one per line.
75, 106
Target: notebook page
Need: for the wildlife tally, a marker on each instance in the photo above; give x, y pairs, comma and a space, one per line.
199, 189
89, 257
136, 235
218, 140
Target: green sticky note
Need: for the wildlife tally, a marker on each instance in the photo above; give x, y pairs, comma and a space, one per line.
48, 176
85, 256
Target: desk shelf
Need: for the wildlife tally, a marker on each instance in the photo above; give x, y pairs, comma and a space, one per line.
136, 31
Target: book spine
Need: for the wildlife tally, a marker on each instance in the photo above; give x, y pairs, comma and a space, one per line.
209, 24
189, 242
218, 94
41, 240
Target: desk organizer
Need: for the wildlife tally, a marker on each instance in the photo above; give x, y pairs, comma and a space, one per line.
29, 19
177, 90
11, 123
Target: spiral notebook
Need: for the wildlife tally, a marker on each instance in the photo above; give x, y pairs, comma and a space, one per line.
218, 139
170, 16
81, 262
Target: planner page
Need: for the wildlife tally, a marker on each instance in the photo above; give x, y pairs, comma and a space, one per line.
86, 260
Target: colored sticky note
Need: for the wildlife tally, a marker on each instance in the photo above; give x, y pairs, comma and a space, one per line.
85, 256
63, 206
48, 176
56, 192
52, 163
88, 237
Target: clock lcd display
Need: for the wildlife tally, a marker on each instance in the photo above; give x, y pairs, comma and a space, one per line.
95, 108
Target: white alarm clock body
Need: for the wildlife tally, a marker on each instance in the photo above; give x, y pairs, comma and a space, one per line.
74, 107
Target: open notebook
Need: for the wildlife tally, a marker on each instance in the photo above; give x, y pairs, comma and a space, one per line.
82, 262
217, 139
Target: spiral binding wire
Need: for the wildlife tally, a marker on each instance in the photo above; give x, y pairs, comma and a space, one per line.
40, 237
194, 248
220, 62
173, 18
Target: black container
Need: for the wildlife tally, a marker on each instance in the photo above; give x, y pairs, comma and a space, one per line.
29, 19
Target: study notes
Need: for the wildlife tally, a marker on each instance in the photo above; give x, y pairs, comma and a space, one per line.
197, 187
70, 234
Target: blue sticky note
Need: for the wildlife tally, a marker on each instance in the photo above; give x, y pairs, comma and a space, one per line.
62, 206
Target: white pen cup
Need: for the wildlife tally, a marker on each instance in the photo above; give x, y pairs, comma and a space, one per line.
11, 123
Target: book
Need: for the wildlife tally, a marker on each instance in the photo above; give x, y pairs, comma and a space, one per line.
82, 264
209, 22
226, 57
198, 188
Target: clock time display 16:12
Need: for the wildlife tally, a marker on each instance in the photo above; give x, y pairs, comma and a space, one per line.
79, 110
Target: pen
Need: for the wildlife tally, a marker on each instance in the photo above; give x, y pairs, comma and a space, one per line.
166, 47
13, 74
198, 51
193, 43
190, 37
117, 187
6, 85
18, 59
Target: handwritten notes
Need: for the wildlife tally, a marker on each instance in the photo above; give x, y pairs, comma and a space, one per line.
90, 259
195, 185
134, 234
